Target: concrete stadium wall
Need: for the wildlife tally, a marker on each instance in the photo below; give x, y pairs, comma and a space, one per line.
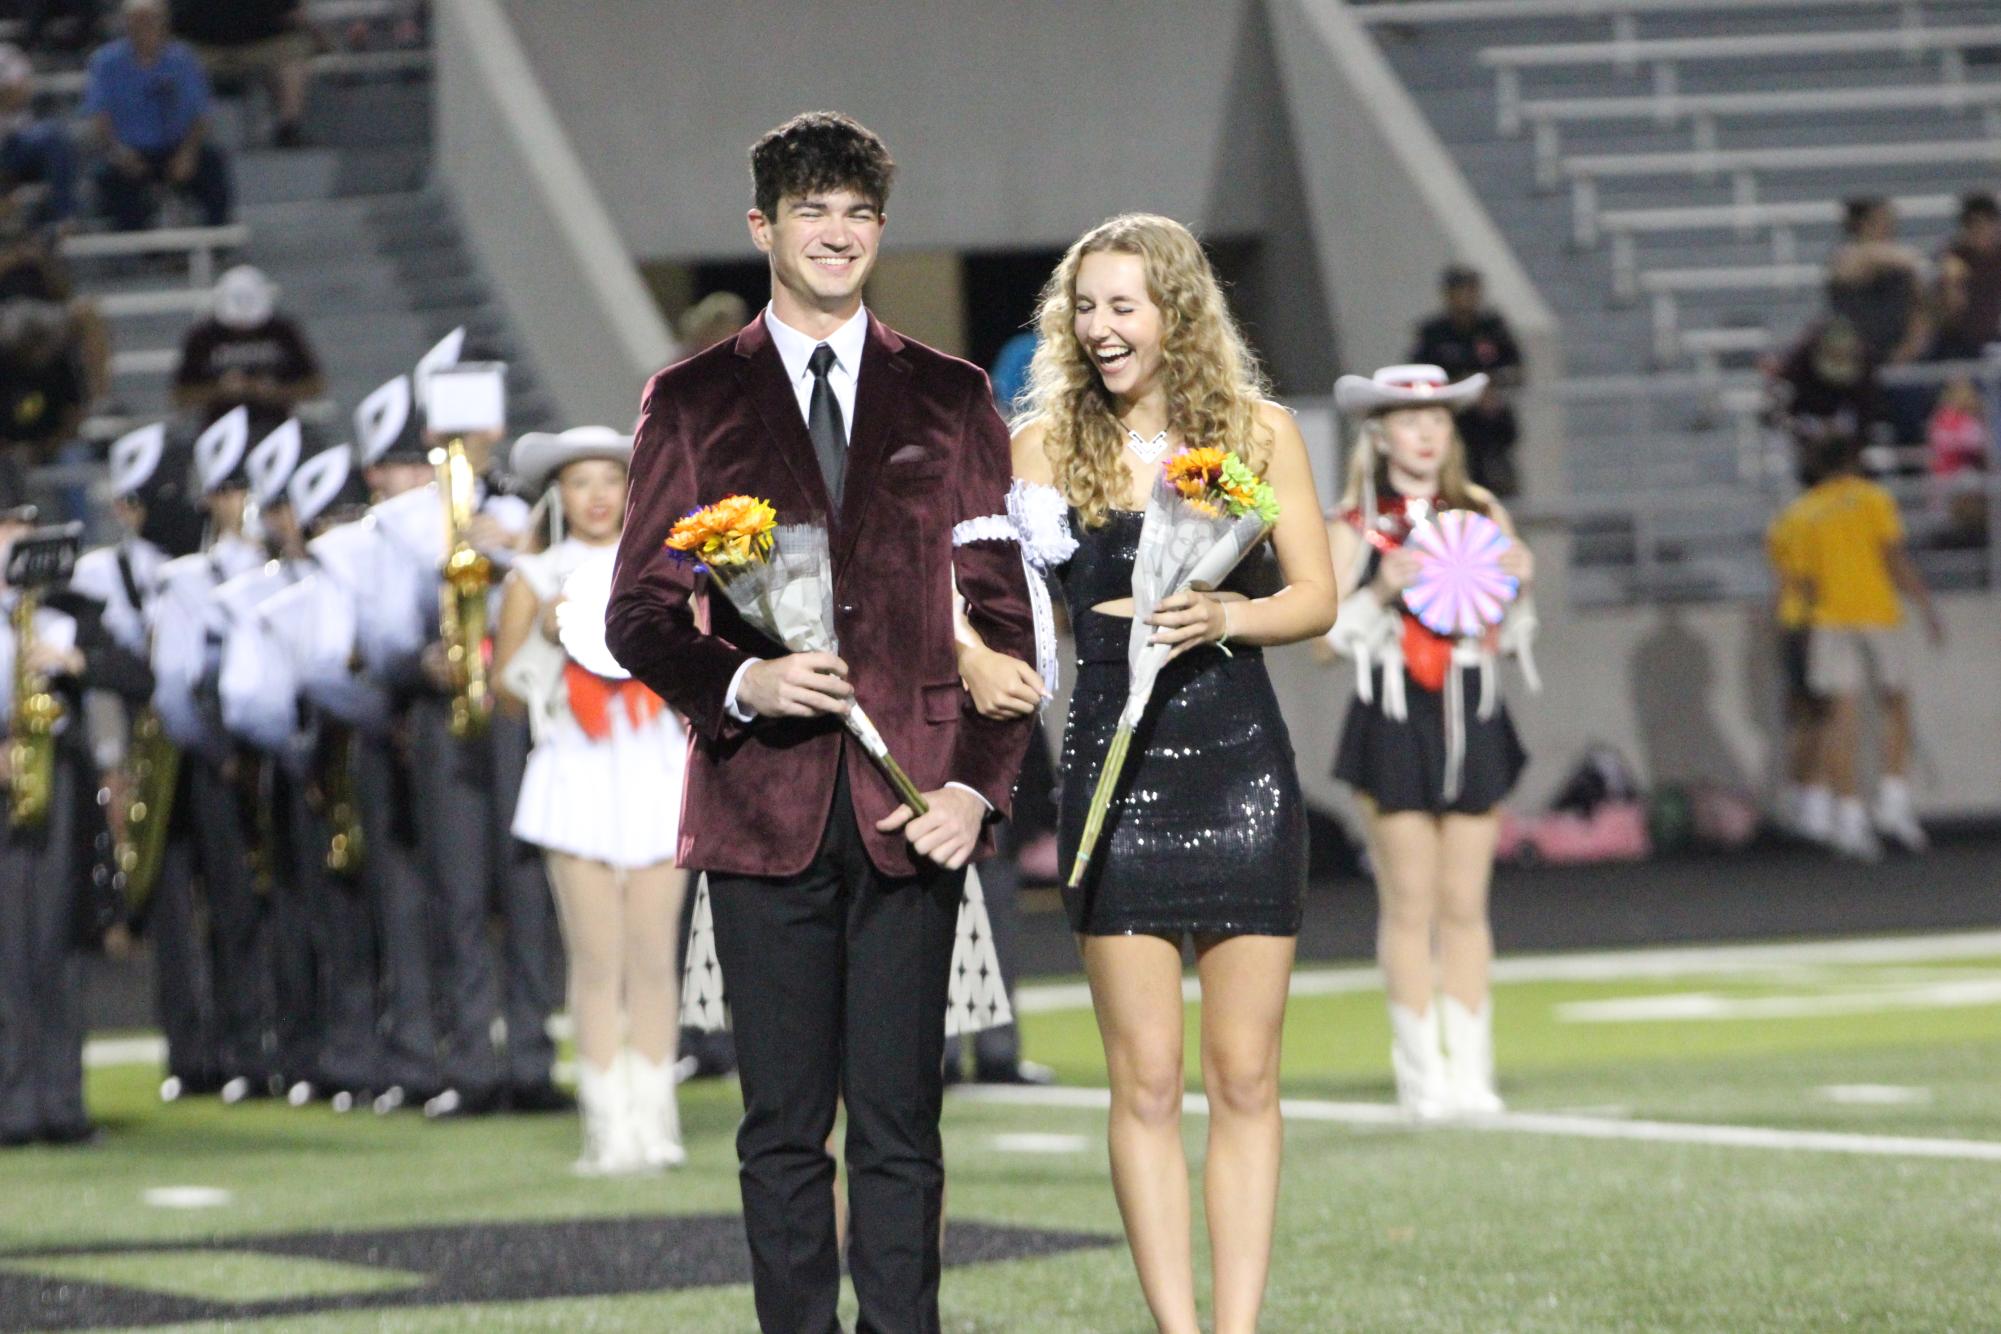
571, 289
1014, 126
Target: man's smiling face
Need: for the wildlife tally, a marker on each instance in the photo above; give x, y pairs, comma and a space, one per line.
822, 245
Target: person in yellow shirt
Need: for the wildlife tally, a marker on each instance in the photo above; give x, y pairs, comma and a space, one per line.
1806, 803
1853, 566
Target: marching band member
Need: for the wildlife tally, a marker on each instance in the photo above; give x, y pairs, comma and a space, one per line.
50, 657
325, 944
265, 785
471, 782
148, 482
186, 656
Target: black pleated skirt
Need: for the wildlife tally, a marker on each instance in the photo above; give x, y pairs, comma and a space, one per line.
1400, 766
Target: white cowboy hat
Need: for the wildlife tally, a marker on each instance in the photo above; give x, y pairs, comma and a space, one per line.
1405, 387
539, 456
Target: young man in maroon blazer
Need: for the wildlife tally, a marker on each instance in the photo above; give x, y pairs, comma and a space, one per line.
834, 908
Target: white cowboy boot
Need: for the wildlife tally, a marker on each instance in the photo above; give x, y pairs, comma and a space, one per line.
1896, 816
611, 1148
1469, 1059
656, 1113
1418, 1063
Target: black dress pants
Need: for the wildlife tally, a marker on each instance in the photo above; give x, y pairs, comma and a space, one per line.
467, 792
41, 1003
837, 980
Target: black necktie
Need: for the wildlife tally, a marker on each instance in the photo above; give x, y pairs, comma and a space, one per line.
823, 423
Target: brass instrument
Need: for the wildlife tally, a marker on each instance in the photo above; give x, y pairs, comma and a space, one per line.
31, 740
335, 799
468, 575
153, 771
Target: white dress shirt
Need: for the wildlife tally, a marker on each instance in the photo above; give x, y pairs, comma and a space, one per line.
796, 351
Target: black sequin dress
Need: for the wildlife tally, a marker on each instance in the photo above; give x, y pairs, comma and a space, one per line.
1207, 835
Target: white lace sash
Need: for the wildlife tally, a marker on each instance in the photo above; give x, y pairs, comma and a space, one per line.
1038, 519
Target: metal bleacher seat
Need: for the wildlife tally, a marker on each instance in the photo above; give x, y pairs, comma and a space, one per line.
203, 246
1702, 112
1665, 288
68, 84
1663, 57
1744, 166
1624, 15
1781, 221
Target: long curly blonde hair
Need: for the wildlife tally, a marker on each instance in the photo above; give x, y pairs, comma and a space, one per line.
1212, 379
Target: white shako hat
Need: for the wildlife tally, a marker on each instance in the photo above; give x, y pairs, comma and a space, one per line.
271, 463
135, 457
219, 450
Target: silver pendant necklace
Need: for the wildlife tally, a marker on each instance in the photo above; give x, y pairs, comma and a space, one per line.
1149, 451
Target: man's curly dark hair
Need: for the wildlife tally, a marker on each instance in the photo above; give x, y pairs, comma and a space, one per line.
819, 150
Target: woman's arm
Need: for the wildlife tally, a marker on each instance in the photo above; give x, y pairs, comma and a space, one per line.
1002, 686
1306, 606
1517, 560
519, 611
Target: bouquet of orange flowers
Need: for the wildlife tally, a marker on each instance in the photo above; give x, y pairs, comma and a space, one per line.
1207, 510
781, 580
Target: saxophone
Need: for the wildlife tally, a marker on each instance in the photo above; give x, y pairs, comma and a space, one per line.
31, 741
468, 575
153, 770
336, 800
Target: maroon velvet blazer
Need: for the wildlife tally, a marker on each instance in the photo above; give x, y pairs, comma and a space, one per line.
926, 450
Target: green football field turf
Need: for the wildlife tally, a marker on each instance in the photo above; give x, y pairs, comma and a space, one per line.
1867, 1197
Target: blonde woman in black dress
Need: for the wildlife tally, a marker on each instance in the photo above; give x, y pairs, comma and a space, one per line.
1207, 838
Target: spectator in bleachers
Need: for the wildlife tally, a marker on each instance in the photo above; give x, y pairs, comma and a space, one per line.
1969, 282
1877, 283
270, 41
1826, 386
44, 393
246, 351
37, 159
717, 316
1468, 339
149, 99
31, 269
1853, 566
1959, 450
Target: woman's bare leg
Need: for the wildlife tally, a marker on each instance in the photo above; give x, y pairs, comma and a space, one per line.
1136, 991
1244, 984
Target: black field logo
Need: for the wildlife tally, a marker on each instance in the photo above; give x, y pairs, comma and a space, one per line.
241, 1278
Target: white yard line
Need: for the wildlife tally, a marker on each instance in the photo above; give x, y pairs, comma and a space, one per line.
1968, 993
101, 1052
1558, 1124
1605, 966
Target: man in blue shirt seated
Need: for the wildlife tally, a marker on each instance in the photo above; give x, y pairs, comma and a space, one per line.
148, 97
